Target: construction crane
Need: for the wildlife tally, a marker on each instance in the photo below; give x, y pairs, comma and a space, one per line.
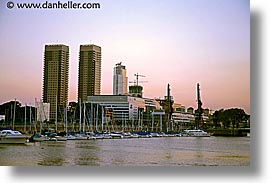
137, 75
136, 82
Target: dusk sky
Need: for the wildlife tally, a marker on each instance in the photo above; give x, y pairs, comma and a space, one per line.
181, 42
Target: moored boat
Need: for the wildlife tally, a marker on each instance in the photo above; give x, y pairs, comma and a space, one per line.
154, 134
134, 135
12, 137
144, 134
117, 135
39, 138
61, 138
197, 133
81, 137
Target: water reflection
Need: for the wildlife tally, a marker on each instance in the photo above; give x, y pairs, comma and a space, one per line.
83, 153
51, 154
212, 151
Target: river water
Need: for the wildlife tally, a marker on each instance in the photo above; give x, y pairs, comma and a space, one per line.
168, 151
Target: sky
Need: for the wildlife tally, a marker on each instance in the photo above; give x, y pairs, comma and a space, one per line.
180, 42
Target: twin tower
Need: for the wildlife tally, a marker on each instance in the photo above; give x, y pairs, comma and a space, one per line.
56, 75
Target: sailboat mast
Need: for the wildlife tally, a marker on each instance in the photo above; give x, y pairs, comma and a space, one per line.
56, 114
122, 121
14, 114
11, 116
80, 111
139, 120
132, 124
41, 115
66, 119
25, 122
84, 116
153, 122
91, 118
160, 123
96, 118
35, 115
102, 118
30, 118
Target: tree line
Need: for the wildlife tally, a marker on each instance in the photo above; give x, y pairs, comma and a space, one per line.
230, 118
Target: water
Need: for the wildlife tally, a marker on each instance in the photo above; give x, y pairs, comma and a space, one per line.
170, 151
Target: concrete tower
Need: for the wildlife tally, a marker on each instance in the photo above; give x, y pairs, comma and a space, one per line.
55, 79
89, 71
120, 81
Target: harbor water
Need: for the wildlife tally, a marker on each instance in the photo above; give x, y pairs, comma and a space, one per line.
166, 151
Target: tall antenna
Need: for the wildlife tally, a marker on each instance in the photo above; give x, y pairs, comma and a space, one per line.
199, 110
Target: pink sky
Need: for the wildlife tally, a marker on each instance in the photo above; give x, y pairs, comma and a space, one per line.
176, 42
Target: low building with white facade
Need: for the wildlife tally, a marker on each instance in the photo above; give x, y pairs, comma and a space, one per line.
123, 107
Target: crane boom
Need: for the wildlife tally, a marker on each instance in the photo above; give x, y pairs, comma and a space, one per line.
137, 75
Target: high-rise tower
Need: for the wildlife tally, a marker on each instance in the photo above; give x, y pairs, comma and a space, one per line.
89, 71
55, 79
120, 81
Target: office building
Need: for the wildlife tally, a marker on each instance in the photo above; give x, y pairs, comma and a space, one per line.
120, 81
55, 79
89, 71
124, 107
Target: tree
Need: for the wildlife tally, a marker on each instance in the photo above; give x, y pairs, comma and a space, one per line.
7, 109
230, 117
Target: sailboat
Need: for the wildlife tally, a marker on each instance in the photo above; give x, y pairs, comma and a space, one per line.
38, 137
81, 135
65, 137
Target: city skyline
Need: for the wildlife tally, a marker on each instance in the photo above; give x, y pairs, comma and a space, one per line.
181, 43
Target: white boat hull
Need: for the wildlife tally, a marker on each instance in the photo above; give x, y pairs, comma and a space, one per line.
81, 138
13, 139
61, 138
204, 135
197, 133
116, 136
